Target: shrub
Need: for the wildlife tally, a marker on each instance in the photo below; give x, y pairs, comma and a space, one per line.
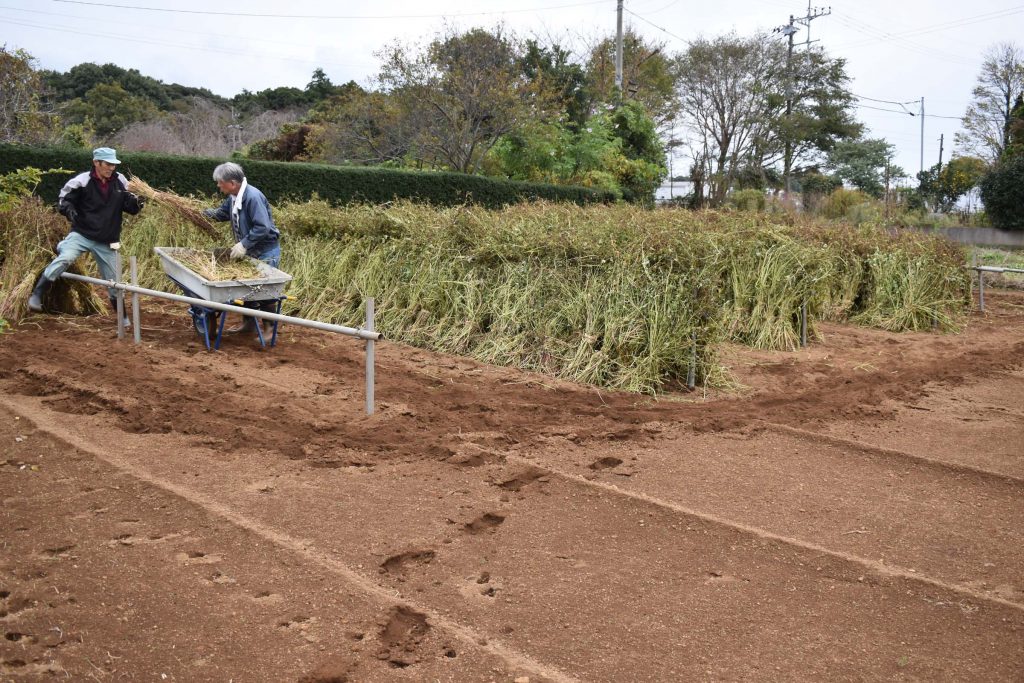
1002, 192
748, 200
840, 202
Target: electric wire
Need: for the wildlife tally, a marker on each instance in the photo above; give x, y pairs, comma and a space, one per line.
660, 28
329, 16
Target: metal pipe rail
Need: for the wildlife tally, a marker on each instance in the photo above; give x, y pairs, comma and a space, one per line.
369, 335
981, 279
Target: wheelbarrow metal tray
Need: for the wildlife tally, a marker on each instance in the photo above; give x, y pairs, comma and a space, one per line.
270, 286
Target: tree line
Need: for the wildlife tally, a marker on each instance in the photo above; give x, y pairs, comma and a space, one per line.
746, 112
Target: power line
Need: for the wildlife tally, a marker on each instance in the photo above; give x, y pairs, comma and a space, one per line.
872, 99
664, 30
956, 23
161, 43
908, 113
190, 32
329, 16
879, 35
892, 111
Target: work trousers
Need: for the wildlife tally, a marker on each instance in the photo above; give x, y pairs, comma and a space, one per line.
73, 246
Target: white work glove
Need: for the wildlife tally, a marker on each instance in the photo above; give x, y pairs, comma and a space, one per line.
238, 251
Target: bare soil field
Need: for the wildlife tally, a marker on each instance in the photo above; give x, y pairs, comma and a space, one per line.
854, 512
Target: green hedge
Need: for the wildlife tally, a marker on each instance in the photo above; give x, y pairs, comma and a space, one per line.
279, 180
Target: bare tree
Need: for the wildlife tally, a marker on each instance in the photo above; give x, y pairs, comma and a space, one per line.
463, 91
202, 129
725, 91
986, 124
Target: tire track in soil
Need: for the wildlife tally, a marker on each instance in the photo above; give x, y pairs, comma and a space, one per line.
871, 566
978, 425
539, 409
604, 542
152, 603
946, 523
406, 612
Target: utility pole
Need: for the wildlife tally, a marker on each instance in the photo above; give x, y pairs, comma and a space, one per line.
618, 48
888, 161
812, 14
922, 134
941, 140
789, 30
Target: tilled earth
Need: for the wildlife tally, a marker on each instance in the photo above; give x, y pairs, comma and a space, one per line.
854, 512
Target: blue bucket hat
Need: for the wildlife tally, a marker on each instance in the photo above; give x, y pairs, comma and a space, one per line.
105, 154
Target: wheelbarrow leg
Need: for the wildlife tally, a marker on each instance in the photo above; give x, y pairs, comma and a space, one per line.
220, 329
277, 309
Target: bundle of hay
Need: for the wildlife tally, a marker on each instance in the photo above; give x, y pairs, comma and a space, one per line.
29, 233
184, 207
217, 265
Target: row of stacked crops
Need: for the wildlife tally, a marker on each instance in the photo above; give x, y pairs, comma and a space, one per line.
616, 296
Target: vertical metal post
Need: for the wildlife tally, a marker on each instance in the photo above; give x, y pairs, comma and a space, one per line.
136, 316
981, 290
922, 135
803, 325
119, 296
369, 357
618, 51
691, 373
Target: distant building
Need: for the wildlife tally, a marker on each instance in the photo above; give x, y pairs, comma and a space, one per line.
672, 189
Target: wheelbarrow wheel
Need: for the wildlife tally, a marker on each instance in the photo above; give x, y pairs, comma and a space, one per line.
205, 323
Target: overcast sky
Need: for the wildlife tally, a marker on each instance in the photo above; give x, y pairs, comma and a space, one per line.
896, 50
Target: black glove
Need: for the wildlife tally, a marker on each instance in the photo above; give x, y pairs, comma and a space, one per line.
72, 214
139, 201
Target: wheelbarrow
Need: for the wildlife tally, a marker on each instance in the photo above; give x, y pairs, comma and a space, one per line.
209, 322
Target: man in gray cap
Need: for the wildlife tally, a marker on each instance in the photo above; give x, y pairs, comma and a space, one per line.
94, 202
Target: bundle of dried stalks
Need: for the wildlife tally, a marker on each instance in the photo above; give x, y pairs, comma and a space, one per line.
216, 265
29, 232
184, 207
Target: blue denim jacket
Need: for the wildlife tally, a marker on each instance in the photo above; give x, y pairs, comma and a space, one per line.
255, 230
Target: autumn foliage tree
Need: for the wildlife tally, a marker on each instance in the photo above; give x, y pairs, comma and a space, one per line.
23, 116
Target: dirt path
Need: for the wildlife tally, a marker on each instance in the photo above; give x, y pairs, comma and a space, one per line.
855, 514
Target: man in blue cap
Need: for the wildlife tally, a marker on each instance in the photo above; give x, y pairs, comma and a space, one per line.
94, 202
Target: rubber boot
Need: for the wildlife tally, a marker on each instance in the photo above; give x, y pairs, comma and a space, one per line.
268, 325
248, 326
35, 302
113, 305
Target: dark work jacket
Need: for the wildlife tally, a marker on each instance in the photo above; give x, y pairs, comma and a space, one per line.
97, 218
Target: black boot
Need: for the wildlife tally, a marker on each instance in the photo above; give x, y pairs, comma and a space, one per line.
35, 302
126, 321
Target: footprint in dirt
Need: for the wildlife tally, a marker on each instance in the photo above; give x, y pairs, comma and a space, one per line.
337, 669
197, 557
58, 552
606, 463
523, 478
401, 635
11, 605
487, 522
267, 598
398, 564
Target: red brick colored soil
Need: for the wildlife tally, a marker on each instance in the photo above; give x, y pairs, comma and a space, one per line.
855, 511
